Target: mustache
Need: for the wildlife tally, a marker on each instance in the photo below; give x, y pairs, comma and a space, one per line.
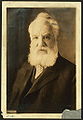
35, 48
42, 49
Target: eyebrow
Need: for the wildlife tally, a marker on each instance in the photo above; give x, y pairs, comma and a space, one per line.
46, 34
34, 35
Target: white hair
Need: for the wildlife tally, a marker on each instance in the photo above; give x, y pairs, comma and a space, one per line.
45, 17
50, 58
44, 60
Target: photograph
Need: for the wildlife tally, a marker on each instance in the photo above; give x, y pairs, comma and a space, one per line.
41, 59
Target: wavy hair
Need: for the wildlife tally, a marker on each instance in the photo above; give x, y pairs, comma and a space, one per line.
45, 17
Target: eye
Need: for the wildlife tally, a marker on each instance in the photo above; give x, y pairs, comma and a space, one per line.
48, 37
35, 37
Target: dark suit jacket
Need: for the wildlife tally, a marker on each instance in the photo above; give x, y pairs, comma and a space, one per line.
53, 91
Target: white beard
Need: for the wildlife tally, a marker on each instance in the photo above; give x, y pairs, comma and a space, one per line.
42, 58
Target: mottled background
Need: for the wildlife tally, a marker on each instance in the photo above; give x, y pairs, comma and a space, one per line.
18, 20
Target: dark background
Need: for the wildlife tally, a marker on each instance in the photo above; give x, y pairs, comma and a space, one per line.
18, 20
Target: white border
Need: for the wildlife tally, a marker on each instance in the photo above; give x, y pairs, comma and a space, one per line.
28, 4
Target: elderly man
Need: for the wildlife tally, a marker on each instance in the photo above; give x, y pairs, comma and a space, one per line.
46, 81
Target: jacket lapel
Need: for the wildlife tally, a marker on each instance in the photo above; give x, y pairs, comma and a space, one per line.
42, 82
51, 73
25, 77
20, 83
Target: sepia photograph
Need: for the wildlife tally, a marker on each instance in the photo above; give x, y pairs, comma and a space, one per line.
41, 59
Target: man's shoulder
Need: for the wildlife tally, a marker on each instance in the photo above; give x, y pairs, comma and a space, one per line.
65, 66
23, 69
65, 62
25, 66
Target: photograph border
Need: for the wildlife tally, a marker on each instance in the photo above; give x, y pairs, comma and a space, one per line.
19, 4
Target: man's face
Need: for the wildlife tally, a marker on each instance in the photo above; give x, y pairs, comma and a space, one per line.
42, 38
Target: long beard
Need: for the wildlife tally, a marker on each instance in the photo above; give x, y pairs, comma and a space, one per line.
44, 59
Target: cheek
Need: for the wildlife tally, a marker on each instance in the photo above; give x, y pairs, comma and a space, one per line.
33, 43
50, 43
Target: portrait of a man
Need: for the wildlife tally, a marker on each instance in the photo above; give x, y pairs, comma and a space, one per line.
45, 82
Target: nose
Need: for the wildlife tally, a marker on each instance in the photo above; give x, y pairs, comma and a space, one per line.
41, 42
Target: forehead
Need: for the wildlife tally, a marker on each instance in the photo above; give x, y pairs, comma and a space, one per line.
41, 28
